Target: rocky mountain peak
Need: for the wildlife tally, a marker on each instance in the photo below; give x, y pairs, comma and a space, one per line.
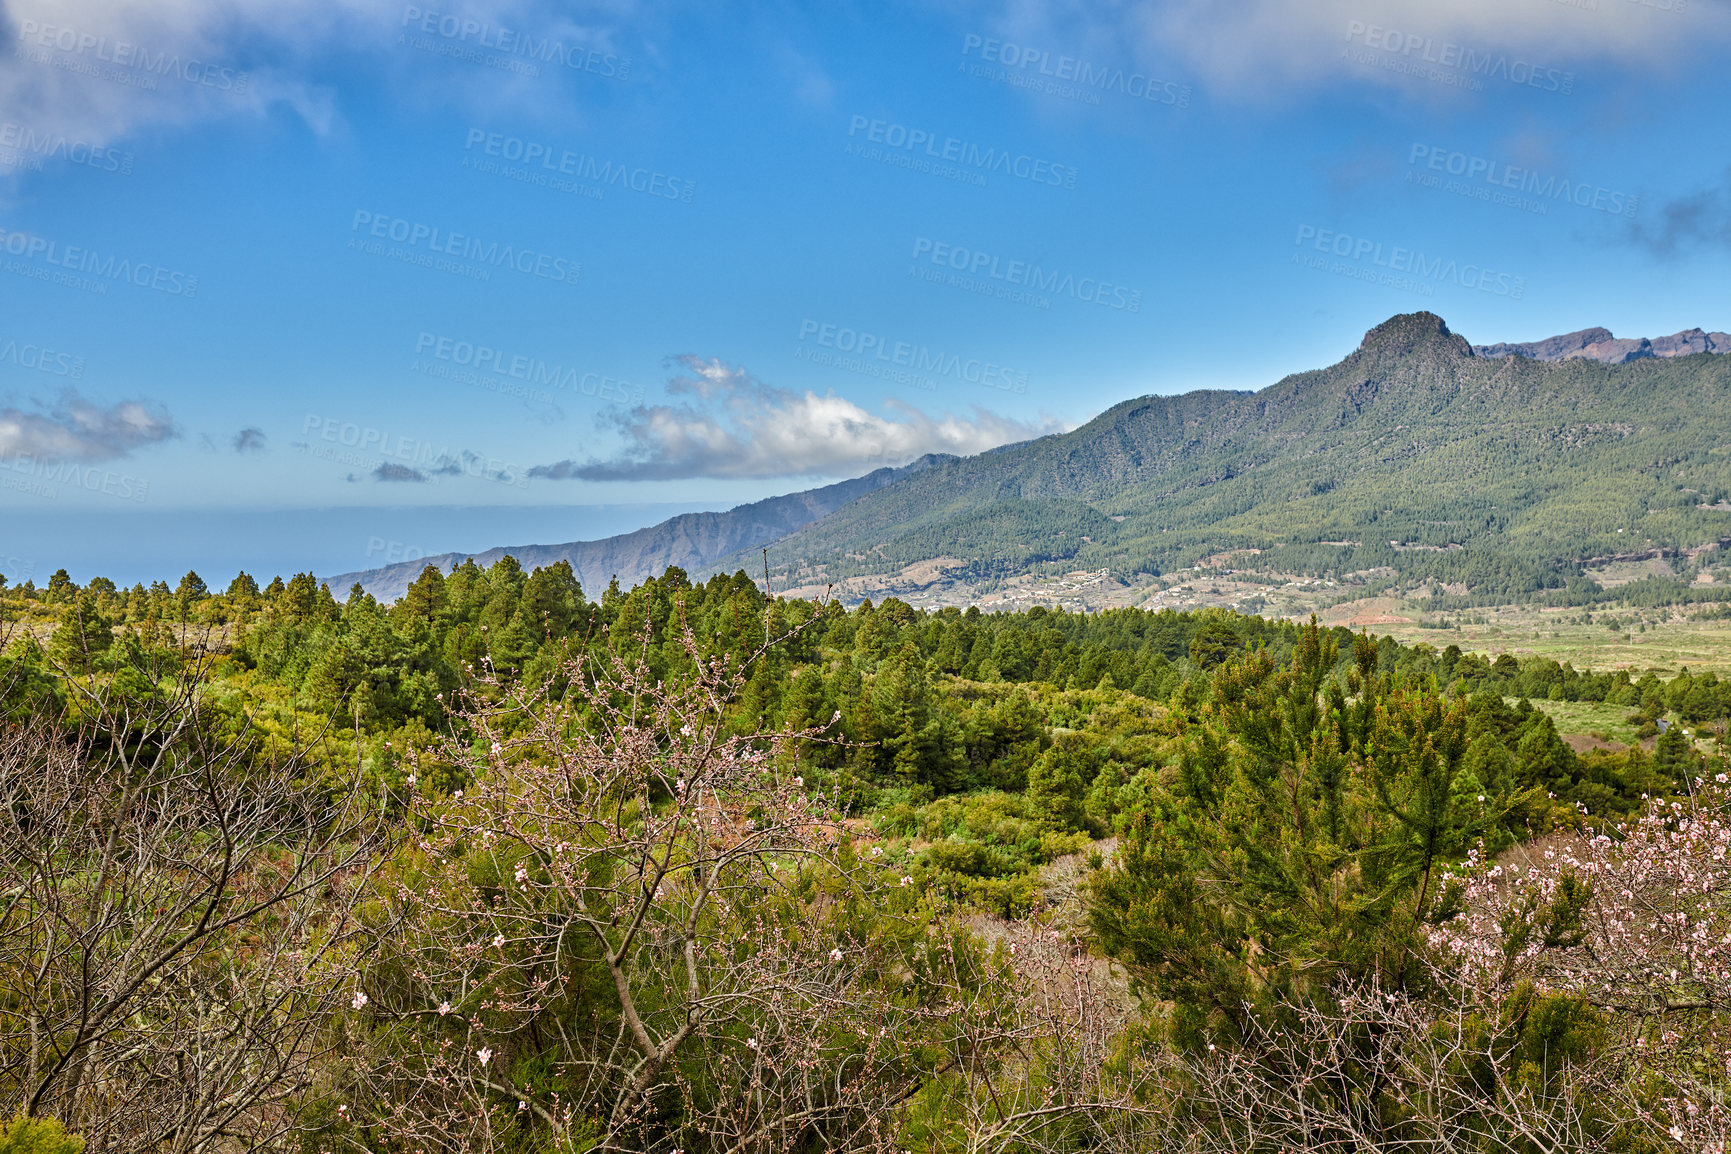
1408, 333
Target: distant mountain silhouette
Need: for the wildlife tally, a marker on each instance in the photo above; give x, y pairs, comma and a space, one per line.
692, 541
1600, 345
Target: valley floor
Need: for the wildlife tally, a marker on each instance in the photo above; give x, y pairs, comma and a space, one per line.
1663, 640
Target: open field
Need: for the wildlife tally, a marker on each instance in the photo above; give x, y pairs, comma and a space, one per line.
1597, 725
1608, 723
1671, 641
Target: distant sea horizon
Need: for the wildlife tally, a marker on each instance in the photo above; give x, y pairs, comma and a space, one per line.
130, 546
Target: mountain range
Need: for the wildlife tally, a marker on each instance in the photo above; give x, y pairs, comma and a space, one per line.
1598, 344
1499, 470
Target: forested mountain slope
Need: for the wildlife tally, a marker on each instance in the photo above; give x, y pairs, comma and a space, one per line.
690, 540
1412, 452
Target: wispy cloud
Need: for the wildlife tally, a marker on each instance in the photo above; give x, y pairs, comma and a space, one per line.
734, 425
394, 472
1697, 220
1262, 49
101, 70
77, 429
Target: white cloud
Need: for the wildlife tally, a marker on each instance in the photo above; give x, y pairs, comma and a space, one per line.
741, 427
99, 71
1261, 49
77, 429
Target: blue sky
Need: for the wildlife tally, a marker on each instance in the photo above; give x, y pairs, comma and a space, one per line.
289, 278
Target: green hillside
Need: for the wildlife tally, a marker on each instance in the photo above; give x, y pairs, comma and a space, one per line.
1502, 474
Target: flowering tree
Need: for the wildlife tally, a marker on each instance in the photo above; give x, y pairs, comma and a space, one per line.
634, 930
1633, 917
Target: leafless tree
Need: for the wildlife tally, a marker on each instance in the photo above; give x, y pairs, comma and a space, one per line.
177, 920
1372, 1071
1044, 1060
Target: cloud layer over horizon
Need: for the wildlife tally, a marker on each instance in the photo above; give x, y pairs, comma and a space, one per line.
735, 426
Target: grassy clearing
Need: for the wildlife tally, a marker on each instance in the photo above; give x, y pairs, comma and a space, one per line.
1610, 723
1592, 719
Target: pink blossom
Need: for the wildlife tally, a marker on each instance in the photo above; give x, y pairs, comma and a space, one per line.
1656, 915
